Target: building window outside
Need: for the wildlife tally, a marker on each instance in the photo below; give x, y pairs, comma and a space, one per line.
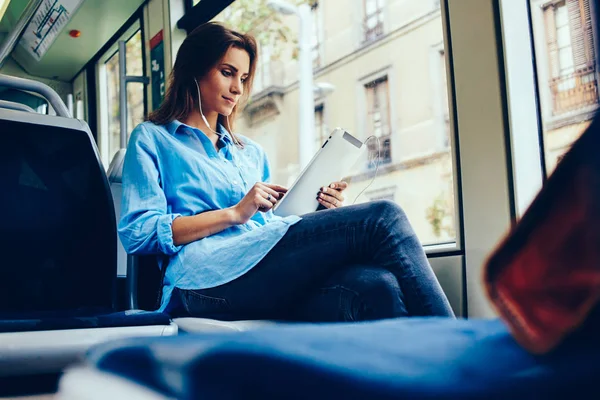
373, 19
571, 58
378, 119
564, 45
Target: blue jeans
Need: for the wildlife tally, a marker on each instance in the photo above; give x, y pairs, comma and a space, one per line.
359, 262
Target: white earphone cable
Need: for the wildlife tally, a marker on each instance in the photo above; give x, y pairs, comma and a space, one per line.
376, 166
235, 140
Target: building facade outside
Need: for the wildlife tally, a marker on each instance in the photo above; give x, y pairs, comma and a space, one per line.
386, 60
564, 39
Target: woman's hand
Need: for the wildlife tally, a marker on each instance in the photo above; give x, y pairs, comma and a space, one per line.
331, 196
262, 197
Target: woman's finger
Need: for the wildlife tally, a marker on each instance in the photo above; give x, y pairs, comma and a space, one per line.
277, 188
342, 185
269, 195
333, 192
328, 200
326, 204
274, 194
263, 204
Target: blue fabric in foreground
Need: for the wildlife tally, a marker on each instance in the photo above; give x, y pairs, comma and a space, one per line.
48, 321
405, 359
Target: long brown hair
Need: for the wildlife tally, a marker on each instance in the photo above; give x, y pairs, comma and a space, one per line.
201, 50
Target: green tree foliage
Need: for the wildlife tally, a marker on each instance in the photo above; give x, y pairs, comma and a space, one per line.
266, 25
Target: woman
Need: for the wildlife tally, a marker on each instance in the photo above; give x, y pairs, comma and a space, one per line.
198, 194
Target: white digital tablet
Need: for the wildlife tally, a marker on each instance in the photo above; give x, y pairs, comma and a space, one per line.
330, 164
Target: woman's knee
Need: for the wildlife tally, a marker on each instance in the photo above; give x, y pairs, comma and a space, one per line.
391, 218
377, 294
387, 209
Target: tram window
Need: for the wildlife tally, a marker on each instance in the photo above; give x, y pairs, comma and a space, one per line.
135, 93
564, 35
389, 77
112, 79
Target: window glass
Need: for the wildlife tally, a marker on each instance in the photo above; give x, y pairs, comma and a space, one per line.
135, 106
133, 48
135, 93
563, 35
384, 81
114, 124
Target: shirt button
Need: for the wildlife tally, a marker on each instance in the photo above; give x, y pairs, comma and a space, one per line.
235, 182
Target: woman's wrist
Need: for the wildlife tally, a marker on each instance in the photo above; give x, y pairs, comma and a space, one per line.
234, 216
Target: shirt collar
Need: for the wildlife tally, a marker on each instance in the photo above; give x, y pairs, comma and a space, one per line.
173, 126
225, 135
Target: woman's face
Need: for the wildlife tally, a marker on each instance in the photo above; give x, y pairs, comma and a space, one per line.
223, 85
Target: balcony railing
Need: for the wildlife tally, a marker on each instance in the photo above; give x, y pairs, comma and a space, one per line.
374, 32
574, 91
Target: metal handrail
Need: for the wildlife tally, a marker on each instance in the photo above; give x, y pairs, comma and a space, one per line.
37, 87
11, 105
14, 36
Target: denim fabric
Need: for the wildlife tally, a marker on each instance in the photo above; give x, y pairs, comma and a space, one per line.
357, 293
410, 358
323, 247
175, 170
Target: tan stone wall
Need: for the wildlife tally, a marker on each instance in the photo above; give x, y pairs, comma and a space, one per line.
558, 141
421, 168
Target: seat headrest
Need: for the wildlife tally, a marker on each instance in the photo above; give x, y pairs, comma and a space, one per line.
115, 169
59, 234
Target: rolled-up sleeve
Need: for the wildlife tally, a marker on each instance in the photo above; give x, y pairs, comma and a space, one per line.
145, 226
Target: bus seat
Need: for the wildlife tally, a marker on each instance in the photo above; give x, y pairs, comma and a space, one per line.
413, 358
58, 247
143, 288
12, 105
114, 172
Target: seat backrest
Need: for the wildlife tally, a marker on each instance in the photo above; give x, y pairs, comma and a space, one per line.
142, 272
58, 247
115, 180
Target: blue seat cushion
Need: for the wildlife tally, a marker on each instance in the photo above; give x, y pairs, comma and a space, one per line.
411, 358
43, 321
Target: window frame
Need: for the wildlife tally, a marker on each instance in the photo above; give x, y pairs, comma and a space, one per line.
127, 32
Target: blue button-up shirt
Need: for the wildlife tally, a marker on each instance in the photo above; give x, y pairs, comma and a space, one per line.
175, 170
